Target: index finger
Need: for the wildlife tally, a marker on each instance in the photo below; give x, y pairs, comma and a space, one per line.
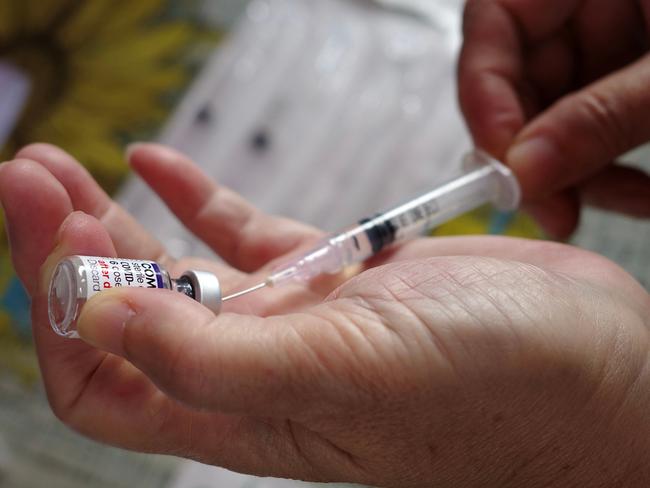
489, 70
130, 238
35, 204
244, 236
493, 87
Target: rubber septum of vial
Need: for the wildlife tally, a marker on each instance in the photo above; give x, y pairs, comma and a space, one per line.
78, 278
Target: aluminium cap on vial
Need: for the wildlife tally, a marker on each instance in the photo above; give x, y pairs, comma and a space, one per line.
206, 287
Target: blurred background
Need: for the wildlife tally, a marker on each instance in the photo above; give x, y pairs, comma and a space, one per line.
321, 110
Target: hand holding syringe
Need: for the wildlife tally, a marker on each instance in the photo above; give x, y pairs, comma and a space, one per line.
483, 180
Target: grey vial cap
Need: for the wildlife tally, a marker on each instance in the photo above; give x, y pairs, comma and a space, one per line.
207, 289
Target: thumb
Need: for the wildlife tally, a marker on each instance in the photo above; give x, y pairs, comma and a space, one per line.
231, 363
583, 132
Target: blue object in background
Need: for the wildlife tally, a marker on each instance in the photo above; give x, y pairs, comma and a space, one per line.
500, 222
16, 303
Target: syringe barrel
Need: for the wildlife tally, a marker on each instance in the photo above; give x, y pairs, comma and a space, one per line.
482, 180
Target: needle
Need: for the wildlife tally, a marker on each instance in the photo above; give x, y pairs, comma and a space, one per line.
244, 292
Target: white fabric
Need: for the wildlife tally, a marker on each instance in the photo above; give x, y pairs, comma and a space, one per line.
359, 104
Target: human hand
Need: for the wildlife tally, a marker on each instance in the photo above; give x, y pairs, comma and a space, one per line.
449, 362
559, 89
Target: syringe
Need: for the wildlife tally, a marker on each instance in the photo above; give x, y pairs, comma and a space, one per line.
482, 180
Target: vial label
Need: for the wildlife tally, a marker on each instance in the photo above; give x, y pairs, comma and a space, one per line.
104, 274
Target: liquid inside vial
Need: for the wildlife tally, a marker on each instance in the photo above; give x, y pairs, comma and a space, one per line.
77, 278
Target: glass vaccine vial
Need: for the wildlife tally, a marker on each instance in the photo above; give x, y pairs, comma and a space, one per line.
77, 278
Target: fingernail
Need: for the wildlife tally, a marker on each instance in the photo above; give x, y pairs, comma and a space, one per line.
103, 320
131, 148
47, 268
532, 151
534, 161
59, 252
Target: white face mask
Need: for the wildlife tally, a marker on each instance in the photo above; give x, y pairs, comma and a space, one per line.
14, 88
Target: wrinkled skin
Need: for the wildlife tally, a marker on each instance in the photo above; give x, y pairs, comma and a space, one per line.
559, 90
477, 361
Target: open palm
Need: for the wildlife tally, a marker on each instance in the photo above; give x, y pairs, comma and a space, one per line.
454, 362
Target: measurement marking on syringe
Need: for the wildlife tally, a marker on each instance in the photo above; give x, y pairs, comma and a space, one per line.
356, 243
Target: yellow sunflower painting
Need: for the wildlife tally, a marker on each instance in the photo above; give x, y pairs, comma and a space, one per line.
102, 73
